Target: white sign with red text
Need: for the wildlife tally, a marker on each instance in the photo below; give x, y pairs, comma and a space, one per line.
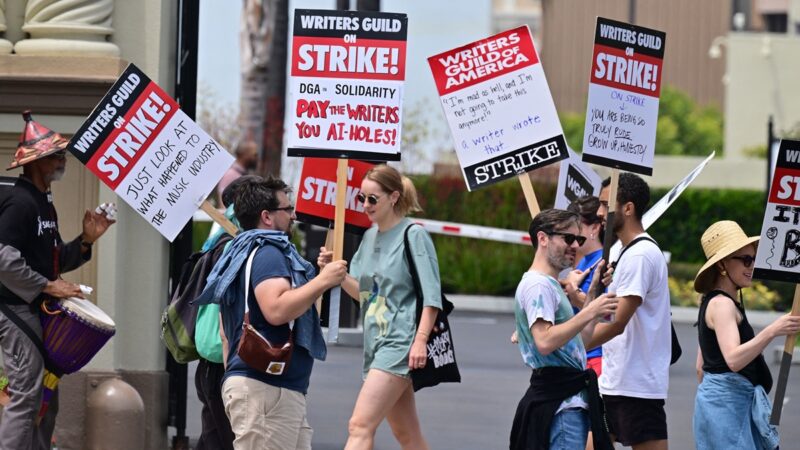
622, 110
499, 108
140, 144
346, 84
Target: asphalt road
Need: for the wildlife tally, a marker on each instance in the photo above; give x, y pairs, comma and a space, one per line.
477, 414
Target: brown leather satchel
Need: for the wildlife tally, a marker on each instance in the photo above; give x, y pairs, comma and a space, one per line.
254, 349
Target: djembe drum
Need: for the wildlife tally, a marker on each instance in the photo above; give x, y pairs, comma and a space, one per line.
74, 330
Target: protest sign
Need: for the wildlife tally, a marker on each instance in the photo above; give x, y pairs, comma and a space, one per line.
140, 144
346, 84
575, 180
778, 256
316, 198
498, 106
622, 110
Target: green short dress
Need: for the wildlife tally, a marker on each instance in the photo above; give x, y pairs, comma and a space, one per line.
386, 293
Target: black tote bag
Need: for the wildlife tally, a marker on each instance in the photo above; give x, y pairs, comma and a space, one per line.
441, 366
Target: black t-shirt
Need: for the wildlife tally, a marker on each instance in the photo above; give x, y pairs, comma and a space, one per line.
269, 262
756, 371
28, 222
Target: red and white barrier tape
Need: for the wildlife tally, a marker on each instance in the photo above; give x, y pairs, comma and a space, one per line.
449, 229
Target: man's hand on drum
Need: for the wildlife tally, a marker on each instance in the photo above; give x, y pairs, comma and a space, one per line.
94, 225
62, 289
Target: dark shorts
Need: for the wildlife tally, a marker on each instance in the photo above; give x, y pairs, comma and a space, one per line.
635, 420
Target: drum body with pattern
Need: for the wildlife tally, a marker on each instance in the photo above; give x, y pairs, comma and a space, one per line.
74, 330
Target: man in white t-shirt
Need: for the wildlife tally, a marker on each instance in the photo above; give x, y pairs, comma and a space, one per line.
637, 345
563, 399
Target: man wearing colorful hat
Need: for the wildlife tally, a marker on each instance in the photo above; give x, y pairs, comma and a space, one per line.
32, 258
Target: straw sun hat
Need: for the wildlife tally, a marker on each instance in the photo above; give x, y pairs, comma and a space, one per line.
719, 241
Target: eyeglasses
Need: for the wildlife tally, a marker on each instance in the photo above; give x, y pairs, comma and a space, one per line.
746, 260
569, 238
372, 198
288, 209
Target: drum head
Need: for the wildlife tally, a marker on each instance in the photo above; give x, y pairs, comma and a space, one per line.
88, 311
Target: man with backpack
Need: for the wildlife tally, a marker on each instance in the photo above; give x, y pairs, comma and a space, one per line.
263, 283
637, 344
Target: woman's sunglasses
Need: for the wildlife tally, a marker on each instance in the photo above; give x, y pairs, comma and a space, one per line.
569, 238
746, 260
371, 198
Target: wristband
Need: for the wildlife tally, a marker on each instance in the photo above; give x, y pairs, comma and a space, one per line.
84, 243
427, 335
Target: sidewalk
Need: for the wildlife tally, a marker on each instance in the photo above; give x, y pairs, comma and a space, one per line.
680, 314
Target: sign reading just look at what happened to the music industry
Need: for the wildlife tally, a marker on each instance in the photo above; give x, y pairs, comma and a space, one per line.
624, 91
778, 256
346, 84
498, 106
140, 144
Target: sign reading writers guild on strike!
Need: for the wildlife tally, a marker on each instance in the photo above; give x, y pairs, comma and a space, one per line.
778, 256
316, 198
140, 144
499, 108
346, 85
622, 111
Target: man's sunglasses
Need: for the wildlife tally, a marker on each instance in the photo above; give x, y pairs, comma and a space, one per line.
61, 154
372, 198
569, 238
746, 260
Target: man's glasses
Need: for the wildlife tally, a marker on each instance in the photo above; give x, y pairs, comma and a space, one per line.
288, 209
746, 260
569, 238
371, 198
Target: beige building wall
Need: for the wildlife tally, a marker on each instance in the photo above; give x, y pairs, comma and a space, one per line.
691, 25
61, 82
762, 81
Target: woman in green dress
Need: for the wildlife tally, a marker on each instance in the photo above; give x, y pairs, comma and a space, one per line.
381, 281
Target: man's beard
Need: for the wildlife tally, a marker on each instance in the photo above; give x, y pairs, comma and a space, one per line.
56, 175
558, 261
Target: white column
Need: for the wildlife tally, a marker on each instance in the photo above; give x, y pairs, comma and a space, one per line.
68, 28
5, 46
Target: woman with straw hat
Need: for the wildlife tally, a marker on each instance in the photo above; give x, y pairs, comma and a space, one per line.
732, 408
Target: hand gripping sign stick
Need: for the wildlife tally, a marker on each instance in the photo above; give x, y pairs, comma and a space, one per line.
786, 363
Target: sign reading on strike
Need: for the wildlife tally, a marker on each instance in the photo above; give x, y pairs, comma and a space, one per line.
499, 108
346, 84
575, 180
316, 201
140, 144
778, 256
622, 111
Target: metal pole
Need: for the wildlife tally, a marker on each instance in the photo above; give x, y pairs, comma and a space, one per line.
181, 247
632, 11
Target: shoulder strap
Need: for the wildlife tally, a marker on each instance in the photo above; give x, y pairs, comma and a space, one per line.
634, 242
37, 341
247, 270
414, 275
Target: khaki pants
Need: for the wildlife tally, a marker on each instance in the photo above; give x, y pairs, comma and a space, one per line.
264, 416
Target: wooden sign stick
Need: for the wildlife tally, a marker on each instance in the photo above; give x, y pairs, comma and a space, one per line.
609, 238
220, 218
786, 363
328, 246
530, 195
338, 247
